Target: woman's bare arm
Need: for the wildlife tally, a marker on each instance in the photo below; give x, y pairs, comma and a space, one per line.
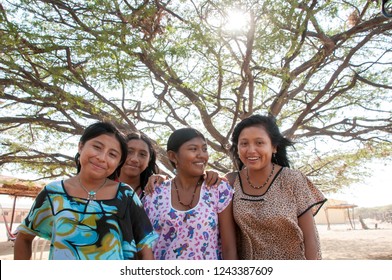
22, 247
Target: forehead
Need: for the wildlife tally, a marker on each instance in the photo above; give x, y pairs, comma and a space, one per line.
253, 132
137, 144
108, 140
198, 141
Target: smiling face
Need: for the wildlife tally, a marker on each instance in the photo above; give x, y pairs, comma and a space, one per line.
191, 158
255, 148
137, 159
100, 156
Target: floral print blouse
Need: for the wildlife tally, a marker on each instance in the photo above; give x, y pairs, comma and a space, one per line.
191, 234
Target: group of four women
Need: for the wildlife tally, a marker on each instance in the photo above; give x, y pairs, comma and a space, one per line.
264, 210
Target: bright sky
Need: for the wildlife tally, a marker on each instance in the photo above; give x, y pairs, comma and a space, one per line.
374, 191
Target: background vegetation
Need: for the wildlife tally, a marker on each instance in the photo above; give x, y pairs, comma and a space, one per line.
322, 68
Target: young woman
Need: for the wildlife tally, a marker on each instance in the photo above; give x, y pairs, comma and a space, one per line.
89, 216
193, 222
273, 204
140, 168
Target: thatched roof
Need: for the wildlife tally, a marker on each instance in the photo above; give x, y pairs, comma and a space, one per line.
341, 206
18, 187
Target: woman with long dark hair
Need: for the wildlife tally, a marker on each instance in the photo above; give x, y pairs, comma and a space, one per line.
273, 205
90, 216
140, 167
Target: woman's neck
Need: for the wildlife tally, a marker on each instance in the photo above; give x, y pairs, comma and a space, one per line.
187, 182
134, 182
89, 182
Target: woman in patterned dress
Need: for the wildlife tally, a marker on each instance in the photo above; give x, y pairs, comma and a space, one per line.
188, 216
273, 205
90, 216
140, 169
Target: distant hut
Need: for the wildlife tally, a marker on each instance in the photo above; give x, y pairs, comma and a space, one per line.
16, 188
336, 212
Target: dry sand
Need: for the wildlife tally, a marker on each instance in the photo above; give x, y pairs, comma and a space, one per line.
339, 243
343, 243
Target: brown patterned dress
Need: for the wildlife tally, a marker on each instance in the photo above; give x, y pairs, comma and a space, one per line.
268, 224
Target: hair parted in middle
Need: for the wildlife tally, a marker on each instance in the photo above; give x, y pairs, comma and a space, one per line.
97, 129
179, 137
277, 139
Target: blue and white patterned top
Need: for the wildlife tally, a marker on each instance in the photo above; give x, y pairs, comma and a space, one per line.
113, 229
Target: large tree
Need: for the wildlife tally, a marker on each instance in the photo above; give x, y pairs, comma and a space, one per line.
322, 68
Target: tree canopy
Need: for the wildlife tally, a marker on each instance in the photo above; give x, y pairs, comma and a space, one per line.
322, 68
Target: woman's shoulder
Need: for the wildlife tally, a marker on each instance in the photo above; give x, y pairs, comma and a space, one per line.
294, 173
223, 188
231, 176
55, 186
160, 189
294, 177
163, 186
126, 189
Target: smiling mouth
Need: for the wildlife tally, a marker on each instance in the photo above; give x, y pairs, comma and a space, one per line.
98, 166
253, 158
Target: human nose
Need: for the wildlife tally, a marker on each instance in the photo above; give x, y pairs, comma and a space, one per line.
133, 157
251, 148
101, 155
202, 153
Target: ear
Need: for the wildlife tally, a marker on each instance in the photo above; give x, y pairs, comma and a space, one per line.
172, 157
80, 147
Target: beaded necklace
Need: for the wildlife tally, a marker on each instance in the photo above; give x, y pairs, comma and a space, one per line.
193, 195
265, 183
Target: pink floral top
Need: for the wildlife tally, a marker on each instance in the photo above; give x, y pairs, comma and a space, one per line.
191, 234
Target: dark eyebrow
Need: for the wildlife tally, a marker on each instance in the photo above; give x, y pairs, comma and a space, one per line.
100, 143
141, 150
96, 141
195, 145
114, 150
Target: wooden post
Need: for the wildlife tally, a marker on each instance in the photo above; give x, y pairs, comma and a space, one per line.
326, 214
13, 213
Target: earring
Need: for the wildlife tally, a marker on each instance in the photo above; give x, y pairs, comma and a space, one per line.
274, 158
175, 168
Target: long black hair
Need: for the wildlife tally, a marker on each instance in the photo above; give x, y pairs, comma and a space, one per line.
277, 139
100, 128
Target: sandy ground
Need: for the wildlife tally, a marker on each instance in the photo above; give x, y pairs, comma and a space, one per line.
343, 243
340, 242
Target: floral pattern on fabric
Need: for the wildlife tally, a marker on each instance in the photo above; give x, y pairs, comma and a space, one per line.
191, 234
113, 229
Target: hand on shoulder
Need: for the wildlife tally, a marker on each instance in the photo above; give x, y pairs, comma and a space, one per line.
153, 181
213, 178
230, 177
